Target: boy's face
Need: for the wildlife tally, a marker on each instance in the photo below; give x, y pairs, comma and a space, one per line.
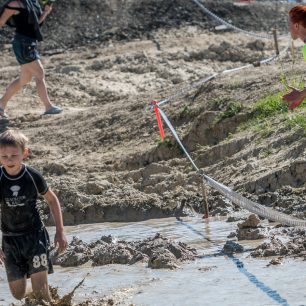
11, 158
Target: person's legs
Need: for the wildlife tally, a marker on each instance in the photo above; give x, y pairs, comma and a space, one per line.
40, 286
37, 70
19, 288
24, 78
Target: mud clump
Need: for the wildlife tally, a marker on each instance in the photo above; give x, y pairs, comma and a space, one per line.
66, 300
250, 229
231, 247
158, 252
252, 222
283, 242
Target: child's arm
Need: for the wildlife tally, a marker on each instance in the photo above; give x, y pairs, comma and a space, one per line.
55, 207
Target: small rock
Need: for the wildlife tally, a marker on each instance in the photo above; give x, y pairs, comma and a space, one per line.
251, 222
232, 247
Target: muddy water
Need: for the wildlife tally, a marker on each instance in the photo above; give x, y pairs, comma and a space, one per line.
213, 279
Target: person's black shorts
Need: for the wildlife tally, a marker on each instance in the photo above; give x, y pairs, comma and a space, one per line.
26, 254
25, 49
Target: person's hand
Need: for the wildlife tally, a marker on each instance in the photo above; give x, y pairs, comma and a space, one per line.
47, 9
294, 98
60, 241
2, 257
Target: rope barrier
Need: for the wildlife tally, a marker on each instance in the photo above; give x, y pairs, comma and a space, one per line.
229, 25
236, 198
204, 80
212, 77
188, 88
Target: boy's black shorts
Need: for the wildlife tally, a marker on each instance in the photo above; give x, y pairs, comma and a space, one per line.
26, 254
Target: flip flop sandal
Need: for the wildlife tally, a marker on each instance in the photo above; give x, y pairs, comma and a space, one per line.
53, 110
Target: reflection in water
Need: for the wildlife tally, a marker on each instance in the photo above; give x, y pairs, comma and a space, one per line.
209, 280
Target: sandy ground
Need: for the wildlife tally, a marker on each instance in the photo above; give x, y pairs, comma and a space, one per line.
103, 155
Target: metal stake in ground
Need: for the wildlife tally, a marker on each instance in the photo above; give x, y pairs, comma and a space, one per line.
275, 41
205, 202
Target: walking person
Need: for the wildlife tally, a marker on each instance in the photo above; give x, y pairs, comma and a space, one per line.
25, 240
297, 28
26, 16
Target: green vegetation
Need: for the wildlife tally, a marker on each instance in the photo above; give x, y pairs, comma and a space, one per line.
297, 120
218, 103
232, 109
168, 142
270, 105
265, 153
185, 111
296, 82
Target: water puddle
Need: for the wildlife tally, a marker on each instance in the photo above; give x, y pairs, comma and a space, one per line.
213, 279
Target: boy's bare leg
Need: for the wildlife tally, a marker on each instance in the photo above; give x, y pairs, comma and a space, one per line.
40, 286
18, 288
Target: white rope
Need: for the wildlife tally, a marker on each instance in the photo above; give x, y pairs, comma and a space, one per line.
222, 21
202, 81
177, 138
188, 88
236, 198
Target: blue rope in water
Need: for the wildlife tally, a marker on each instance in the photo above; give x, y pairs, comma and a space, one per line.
273, 294
253, 279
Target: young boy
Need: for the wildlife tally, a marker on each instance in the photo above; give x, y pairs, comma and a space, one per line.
25, 241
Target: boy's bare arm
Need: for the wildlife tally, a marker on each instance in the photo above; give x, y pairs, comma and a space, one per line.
55, 207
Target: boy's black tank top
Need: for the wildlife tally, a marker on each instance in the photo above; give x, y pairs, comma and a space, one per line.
18, 196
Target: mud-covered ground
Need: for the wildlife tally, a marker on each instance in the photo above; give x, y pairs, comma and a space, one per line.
103, 155
105, 61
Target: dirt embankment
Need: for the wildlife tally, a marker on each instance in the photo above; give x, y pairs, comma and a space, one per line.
80, 23
106, 60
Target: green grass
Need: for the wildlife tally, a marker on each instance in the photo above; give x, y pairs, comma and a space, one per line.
297, 120
296, 82
263, 112
269, 106
265, 153
167, 142
232, 109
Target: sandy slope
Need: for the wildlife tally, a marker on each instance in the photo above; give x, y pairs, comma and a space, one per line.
103, 155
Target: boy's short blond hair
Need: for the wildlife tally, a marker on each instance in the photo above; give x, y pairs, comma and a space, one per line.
13, 138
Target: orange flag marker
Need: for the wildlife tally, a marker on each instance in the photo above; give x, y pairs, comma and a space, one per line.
159, 121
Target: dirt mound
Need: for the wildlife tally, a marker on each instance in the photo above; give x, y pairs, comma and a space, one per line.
79, 23
103, 156
158, 252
